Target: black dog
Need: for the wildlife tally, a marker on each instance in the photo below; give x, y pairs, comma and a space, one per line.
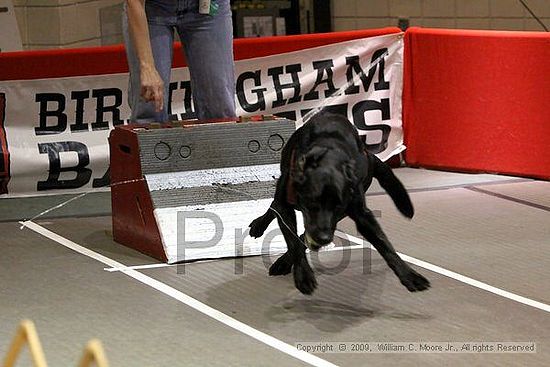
325, 171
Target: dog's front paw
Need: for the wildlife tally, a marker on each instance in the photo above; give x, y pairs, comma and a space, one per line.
257, 228
282, 266
414, 282
304, 279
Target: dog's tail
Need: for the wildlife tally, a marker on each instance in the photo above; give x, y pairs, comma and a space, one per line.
383, 173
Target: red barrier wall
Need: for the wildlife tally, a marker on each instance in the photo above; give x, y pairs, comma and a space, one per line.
472, 100
478, 101
112, 59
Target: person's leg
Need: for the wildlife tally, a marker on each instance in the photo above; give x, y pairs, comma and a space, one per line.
162, 39
208, 45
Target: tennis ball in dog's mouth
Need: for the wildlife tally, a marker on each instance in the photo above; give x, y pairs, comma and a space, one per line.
311, 244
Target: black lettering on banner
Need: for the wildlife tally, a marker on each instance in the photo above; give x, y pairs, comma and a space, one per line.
83, 174
57, 114
79, 97
276, 73
101, 109
187, 95
188, 112
171, 88
187, 98
103, 181
323, 67
259, 105
340, 109
355, 67
358, 112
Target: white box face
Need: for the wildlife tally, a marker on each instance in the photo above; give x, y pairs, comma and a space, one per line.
216, 230
220, 230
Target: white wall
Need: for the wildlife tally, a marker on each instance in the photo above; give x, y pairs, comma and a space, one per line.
67, 23
78, 23
10, 40
466, 14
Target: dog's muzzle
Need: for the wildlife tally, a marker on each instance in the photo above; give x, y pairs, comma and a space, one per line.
311, 244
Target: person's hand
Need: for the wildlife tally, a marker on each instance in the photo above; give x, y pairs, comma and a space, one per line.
152, 87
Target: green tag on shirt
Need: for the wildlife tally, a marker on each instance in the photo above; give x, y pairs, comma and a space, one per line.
214, 6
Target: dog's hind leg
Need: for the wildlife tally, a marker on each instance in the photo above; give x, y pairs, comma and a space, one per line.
371, 230
392, 185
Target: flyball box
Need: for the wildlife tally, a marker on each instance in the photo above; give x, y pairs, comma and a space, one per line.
188, 190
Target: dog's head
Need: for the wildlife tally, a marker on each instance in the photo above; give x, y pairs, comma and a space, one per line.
324, 180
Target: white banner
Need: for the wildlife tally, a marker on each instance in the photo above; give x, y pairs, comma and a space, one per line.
56, 129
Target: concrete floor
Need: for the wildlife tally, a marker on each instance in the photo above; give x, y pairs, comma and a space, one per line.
493, 229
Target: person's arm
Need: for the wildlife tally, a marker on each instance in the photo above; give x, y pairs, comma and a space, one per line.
152, 88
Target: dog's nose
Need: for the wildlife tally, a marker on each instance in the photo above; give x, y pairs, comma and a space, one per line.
324, 238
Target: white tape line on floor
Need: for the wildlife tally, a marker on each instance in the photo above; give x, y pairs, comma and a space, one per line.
140, 267
163, 265
183, 298
457, 276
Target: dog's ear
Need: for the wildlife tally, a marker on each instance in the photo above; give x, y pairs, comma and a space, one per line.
298, 175
307, 160
301, 163
314, 155
310, 159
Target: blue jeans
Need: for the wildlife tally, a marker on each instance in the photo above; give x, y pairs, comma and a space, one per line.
208, 46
